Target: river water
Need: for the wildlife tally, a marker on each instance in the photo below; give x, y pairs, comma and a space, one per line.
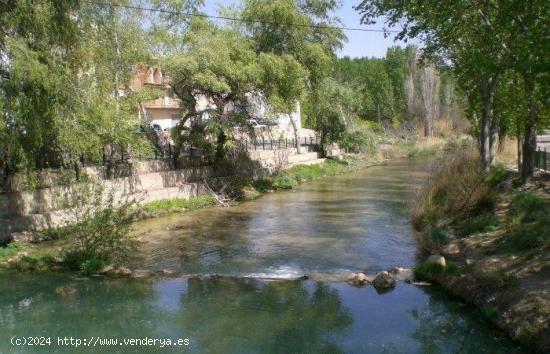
242, 296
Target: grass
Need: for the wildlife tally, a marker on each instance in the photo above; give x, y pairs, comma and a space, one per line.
528, 226
455, 192
177, 204
428, 270
419, 153
291, 178
9, 250
478, 224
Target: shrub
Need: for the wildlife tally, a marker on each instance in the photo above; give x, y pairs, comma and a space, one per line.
103, 237
359, 141
455, 191
528, 225
284, 181
101, 227
482, 223
496, 176
428, 270
527, 206
10, 249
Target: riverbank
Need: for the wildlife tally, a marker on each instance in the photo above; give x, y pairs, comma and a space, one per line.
495, 240
33, 254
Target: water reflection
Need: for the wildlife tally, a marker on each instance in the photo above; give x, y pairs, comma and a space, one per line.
354, 222
229, 315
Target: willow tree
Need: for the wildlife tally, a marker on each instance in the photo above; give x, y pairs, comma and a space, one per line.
299, 29
221, 65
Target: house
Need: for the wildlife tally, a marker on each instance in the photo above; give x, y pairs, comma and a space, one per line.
165, 111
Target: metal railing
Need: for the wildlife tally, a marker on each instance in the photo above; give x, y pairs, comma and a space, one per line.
278, 144
542, 158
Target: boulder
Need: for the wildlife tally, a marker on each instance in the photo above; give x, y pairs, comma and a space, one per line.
437, 259
123, 271
401, 274
384, 280
358, 279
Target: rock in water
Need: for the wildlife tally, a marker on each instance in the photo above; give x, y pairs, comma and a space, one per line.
358, 279
383, 280
437, 259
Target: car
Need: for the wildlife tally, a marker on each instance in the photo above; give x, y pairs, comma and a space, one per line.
156, 127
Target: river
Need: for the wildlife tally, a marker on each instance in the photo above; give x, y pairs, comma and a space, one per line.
241, 295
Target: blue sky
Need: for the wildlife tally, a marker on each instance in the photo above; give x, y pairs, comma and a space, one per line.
360, 44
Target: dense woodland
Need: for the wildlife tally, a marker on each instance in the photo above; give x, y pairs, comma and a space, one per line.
64, 67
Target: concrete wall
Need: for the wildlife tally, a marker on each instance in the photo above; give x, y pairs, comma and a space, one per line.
50, 207
143, 181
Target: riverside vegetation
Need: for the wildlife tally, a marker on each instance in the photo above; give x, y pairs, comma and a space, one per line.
495, 236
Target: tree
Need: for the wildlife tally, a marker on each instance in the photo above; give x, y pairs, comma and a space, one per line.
458, 32
429, 90
298, 29
481, 41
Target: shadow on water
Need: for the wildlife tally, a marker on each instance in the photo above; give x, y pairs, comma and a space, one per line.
349, 223
231, 315
353, 222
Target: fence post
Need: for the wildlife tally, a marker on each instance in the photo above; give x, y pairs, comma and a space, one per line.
169, 150
545, 162
286, 143
263, 143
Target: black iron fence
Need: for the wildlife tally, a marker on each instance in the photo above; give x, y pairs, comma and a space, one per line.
117, 153
542, 159
277, 144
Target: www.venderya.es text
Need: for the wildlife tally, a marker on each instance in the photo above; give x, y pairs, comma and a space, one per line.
45, 341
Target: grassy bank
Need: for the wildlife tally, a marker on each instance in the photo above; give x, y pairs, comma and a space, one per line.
495, 237
291, 178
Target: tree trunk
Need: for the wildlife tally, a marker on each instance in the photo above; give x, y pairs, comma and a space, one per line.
295, 128
486, 145
530, 138
518, 142
493, 140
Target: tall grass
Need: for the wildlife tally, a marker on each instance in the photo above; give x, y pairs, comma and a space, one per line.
455, 191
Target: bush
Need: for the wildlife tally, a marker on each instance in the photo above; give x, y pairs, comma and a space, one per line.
359, 141
528, 226
428, 270
101, 229
527, 207
456, 190
104, 237
496, 176
9, 250
482, 223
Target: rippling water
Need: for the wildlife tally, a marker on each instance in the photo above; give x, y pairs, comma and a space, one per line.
355, 222
349, 223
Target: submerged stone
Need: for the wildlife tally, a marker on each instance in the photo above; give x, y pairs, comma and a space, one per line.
384, 280
358, 279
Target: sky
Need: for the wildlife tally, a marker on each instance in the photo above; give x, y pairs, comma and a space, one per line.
359, 44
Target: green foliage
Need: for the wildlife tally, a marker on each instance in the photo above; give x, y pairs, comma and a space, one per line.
481, 223
496, 176
175, 205
423, 152
302, 173
428, 270
9, 250
528, 226
455, 190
